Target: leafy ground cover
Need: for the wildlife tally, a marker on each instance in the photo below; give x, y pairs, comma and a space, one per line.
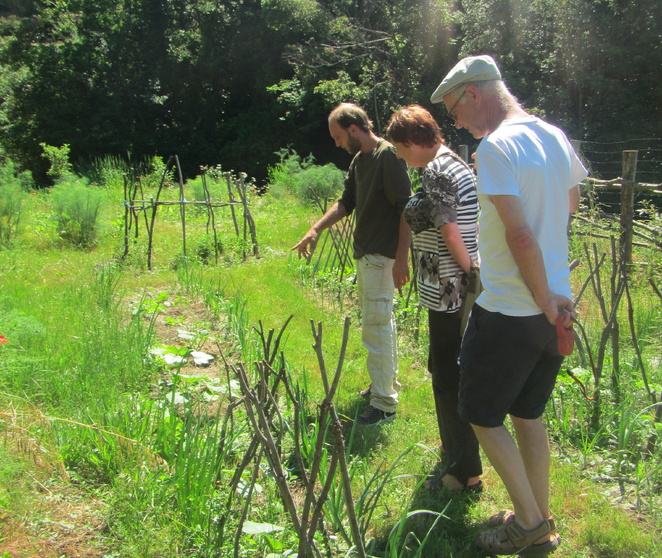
120, 439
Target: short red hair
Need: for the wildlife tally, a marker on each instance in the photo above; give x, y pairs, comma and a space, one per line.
414, 124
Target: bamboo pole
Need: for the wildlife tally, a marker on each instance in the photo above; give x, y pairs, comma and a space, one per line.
211, 217
150, 230
188, 202
139, 184
339, 448
241, 190
154, 205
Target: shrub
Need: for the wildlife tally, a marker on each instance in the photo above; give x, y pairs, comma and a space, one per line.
58, 157
109, 171
154, 170
303, 179
320, 182
76, 206
10, 176
282, 177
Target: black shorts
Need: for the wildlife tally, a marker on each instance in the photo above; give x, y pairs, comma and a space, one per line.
508, 365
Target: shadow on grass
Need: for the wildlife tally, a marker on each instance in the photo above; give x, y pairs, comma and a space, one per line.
362, 440
453, 534
449, 536
438, 523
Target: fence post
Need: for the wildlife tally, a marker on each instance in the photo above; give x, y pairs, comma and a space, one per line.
127, 215
228, 179
182, 203
627, 204
464, 153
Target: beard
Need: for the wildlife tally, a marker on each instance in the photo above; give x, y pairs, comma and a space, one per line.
353, 145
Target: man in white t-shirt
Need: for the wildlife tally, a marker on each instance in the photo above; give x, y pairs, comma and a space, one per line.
528, 176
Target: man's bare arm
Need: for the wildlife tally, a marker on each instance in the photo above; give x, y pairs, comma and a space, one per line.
306, 246
528, 256
573, 195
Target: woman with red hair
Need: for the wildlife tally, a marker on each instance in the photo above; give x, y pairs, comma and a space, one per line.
442, 214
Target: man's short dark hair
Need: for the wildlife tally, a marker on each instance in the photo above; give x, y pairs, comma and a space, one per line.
346, 114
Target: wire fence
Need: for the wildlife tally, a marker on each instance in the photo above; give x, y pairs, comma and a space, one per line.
604, 159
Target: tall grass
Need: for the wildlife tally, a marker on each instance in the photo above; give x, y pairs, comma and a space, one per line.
13, 188
99, 351
112, 426
11, 199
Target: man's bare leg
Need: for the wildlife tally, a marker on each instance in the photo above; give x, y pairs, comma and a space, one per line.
534, 449
501, 450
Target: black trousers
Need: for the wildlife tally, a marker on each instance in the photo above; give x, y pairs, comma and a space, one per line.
457, 436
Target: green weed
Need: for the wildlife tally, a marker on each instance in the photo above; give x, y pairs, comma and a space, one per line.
10, 214
58, 159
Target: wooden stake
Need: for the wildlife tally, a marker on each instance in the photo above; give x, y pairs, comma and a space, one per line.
627, 204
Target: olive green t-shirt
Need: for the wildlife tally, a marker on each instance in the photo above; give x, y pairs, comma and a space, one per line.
377, 187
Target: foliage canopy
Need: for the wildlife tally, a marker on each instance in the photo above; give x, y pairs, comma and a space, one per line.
234, 82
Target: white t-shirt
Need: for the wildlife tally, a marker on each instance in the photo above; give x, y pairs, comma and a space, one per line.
533, 160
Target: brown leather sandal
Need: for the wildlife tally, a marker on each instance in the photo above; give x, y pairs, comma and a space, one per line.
510, 538
504, 516
501, 518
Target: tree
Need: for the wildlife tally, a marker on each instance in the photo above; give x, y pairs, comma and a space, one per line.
235, 81
145, 77
380, 54
585, 63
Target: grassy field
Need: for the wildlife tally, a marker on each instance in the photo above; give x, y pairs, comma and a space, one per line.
109, 449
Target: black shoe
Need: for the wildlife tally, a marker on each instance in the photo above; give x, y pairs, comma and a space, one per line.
373, 415
366, 391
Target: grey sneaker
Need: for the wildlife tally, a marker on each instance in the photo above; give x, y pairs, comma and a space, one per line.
373, 415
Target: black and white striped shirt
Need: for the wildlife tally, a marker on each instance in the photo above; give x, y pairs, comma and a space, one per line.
448, 189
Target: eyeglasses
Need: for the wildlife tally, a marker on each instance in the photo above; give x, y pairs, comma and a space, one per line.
450, 112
